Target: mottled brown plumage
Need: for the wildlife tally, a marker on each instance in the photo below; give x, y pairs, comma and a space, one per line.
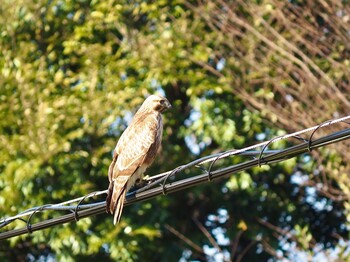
135, 151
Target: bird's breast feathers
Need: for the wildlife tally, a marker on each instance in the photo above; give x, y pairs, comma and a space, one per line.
139, 143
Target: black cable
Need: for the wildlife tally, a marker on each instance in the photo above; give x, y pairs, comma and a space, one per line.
137, 196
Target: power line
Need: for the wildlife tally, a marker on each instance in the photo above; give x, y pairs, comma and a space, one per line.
158, 185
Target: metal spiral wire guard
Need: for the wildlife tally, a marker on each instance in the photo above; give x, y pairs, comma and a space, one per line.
159, 184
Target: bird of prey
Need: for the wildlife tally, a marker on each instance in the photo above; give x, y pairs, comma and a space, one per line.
135, 151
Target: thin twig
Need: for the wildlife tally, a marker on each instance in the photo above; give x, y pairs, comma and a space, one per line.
185, 239
207, 234
235, 244
245, 250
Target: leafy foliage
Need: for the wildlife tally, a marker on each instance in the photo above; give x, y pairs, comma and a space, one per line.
73, 73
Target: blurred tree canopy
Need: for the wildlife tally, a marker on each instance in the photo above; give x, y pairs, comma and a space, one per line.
73, 72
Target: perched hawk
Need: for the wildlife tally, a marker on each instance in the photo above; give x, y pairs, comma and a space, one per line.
135, 151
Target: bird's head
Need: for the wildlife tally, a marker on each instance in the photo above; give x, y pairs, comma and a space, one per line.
157, 103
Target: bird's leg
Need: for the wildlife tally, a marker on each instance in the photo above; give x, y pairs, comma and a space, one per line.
141, 182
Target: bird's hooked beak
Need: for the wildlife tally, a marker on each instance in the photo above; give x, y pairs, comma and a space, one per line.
168, 105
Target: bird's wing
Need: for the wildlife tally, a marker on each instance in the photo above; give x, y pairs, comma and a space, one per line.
111, 166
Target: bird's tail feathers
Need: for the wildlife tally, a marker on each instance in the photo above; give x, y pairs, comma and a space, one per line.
118, 208
116, 196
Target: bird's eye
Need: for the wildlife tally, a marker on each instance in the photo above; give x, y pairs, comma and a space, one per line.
162, 102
